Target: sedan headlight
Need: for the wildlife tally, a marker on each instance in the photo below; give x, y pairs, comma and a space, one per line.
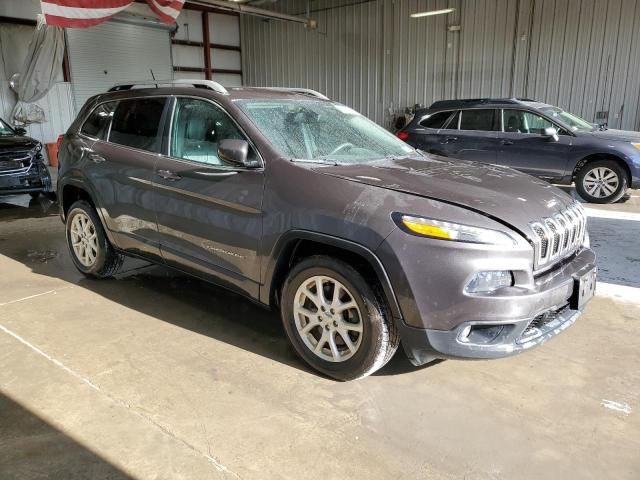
428, 227
637, 145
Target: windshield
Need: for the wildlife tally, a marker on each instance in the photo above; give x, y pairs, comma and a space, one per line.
313, 130
5, 129
573, 121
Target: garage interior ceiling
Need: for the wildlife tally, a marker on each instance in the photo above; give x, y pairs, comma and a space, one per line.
371, 55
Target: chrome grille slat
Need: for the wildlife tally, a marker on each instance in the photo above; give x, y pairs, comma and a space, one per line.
558, 236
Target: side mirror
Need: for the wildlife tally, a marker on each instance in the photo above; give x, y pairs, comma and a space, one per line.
235, 152
551, 132
20, 131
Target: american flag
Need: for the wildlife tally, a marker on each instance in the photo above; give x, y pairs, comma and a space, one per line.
86, 13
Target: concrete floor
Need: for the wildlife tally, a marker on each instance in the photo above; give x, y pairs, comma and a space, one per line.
155, 375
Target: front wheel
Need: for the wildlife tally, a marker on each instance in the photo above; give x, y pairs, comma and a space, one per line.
335, 321
90, 249
603, 181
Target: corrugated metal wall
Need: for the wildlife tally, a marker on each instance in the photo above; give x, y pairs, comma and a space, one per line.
583, 55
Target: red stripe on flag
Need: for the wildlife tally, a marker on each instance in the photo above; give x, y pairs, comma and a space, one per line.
65, 22
162, 15
90, 3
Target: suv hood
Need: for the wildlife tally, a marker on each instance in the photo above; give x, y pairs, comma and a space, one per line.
10, 143
498, 192
620, 135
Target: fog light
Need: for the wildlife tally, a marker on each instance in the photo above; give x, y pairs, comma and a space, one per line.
483, 282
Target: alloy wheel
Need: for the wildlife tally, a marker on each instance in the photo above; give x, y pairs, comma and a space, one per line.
84, 239
328, 318
600, 182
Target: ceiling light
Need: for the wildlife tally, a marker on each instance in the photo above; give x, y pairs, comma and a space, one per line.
432, 12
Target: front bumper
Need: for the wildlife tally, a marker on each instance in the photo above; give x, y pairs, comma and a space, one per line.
36, 179
441, 321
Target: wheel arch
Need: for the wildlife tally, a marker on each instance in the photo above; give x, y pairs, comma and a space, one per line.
298, 244
602, 156
74, 190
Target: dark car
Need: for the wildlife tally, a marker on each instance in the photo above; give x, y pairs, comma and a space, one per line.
535, 138
22, 169
304, 205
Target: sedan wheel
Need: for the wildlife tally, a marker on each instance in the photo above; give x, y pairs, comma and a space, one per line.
601, 182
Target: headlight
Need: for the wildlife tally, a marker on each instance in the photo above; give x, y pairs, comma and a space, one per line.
428, 227
36, 149
489, 281
637, 145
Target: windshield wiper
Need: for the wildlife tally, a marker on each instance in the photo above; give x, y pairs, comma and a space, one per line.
320, 161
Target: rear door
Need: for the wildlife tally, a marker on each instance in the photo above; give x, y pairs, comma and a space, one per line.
209, 212
525, 148
429, 133
477, 137
122, 170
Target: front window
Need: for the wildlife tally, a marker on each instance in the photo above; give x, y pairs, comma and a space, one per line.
5, 129
321, 131
520, 121
571, 120
197, 129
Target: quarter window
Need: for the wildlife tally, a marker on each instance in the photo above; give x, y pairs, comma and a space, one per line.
97, 124
519, 121
487, 120
136, 123
198, 127
436, 121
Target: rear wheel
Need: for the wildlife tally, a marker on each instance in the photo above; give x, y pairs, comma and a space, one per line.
90, 249
335, 321
603, 181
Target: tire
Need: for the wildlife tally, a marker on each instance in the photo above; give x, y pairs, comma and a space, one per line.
102, 261
371, 347
608, 171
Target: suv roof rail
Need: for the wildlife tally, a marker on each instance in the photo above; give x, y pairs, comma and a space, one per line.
301, 91
476, 101
208, 84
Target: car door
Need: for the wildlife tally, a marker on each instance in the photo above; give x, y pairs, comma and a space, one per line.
429, 133
208, 212
525, 147
477, 137
121, 165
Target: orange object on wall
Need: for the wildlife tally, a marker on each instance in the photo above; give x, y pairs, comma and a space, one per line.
52, 153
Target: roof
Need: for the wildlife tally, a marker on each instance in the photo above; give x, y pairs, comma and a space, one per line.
214, 87
476, 102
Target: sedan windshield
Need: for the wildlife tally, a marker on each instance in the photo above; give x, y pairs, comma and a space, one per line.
5, 129
573, 121
313, 130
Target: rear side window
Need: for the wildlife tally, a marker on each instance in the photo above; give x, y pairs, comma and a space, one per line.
97, 124
436, 121
136, 123
487, 120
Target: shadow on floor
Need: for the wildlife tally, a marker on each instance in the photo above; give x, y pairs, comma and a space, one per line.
31, 448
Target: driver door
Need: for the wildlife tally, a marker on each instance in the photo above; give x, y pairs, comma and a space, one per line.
208, 212
525, 148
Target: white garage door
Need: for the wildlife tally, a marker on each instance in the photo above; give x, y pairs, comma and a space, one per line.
116, 52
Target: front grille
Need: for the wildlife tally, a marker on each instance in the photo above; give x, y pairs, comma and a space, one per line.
14, 162
558, 236
538, 324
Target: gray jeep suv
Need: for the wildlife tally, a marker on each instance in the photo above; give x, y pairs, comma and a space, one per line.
304, 205
535, 138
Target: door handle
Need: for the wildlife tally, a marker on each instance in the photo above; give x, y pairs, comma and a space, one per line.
450, 139
507, 142
168, 175
95, 158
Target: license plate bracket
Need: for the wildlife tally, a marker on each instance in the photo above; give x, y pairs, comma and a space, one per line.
584, 289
